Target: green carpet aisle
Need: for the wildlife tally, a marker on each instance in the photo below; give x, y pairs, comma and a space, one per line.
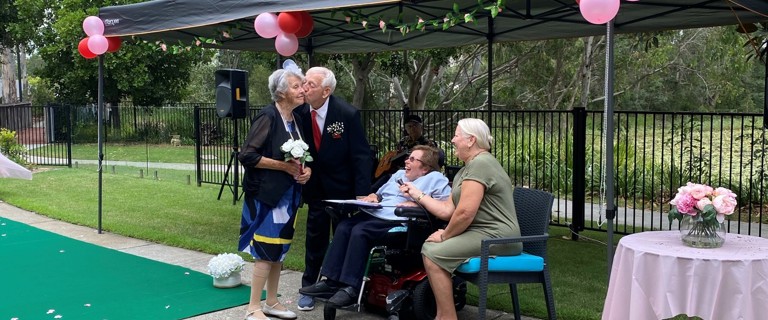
44, 275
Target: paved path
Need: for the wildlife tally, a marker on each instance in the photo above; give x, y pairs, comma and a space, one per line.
289, 284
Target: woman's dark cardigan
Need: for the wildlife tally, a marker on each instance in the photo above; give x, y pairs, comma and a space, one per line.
264, 139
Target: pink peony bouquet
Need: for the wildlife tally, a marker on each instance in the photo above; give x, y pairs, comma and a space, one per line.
702, 202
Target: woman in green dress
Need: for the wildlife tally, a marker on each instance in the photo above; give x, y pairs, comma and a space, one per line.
481, 206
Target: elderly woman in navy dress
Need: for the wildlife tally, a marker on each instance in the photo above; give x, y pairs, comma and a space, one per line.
272, 189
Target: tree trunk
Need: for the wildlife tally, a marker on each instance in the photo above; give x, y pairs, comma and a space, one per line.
24, 94
362, 67
8, 76
586, 72
419, 83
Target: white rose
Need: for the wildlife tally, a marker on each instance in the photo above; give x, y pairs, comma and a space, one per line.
297, 152
287, 146
302, 144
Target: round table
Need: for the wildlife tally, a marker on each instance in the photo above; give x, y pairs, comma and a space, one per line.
655, 276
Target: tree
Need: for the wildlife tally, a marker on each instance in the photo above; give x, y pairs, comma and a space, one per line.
8, 40
149, 74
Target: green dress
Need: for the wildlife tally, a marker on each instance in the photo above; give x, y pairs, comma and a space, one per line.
495, 218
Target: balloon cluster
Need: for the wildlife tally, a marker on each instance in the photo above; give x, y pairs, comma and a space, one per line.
599, 11
96, 43
286, 28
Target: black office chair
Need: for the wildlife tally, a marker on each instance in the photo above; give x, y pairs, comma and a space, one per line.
533, 209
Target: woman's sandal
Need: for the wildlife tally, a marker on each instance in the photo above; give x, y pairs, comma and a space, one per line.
250, 315
282, 314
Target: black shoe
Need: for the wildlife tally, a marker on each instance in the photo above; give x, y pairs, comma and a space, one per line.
344, 297
319, 290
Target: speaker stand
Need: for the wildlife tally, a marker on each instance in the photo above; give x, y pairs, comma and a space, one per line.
234, 187
233, 160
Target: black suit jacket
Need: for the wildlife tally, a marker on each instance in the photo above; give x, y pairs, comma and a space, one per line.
342, 168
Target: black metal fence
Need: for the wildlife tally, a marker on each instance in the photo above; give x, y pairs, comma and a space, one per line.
557, 151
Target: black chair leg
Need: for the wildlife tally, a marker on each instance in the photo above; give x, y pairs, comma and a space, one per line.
515, 300
548, 296
482, 301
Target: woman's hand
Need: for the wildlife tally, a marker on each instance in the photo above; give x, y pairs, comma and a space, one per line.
436, 236
304, 176
408, 204
372, 198
410, 190
293, 167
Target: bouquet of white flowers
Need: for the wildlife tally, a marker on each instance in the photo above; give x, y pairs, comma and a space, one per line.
296, 149
223, 265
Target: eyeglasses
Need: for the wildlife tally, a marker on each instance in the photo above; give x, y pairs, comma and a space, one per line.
412, 159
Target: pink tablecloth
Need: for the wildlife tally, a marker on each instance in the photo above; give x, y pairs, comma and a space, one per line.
654, 276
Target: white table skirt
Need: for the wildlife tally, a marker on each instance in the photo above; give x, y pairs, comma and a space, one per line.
655, 276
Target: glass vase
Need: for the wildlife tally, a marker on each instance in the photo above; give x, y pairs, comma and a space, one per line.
697, 233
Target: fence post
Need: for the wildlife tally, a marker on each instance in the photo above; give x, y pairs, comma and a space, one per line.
579, 170
198, 152
70, 133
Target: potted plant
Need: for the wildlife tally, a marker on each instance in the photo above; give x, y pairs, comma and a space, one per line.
225, 269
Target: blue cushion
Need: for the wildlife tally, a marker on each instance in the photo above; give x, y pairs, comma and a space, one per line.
522, 263
398, 229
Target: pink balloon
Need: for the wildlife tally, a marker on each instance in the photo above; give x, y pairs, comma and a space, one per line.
599, 11
98, 44
266, 25
92, 26
286, 44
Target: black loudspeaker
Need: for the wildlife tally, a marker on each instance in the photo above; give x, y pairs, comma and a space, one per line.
232, 93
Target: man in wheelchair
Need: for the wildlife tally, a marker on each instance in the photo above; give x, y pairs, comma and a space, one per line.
345, 263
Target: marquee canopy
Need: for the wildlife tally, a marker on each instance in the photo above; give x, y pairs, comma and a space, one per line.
187, 20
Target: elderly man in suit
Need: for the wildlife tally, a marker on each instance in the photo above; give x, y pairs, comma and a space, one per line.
341, 168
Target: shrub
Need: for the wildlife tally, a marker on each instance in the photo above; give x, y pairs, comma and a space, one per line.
11, 148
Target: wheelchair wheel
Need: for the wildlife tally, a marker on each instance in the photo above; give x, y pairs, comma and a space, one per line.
329, 313
459, 293
424, 307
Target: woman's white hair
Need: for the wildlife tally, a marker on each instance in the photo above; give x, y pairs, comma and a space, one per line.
278, 81
478, 129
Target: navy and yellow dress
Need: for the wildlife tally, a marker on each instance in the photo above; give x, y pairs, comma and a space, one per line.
271, 196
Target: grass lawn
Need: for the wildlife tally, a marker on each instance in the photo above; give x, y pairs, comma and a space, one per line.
169, 211
131, 152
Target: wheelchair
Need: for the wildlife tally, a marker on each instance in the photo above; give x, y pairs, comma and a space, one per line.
395, 282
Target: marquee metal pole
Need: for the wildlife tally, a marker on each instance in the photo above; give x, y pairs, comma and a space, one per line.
99, 115
610, 210
490, 36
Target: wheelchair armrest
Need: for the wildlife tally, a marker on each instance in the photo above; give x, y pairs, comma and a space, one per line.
337, 212
412, 212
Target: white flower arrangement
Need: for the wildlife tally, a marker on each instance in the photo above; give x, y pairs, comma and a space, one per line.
336, 129
296, 149
222, 265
